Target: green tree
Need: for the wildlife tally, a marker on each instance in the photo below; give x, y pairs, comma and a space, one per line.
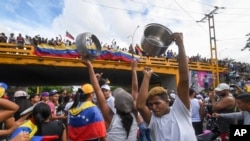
248, 43
39, 89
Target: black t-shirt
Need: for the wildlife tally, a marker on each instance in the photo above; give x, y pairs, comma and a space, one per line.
52, 128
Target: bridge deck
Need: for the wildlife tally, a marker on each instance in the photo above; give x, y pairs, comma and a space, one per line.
20, 66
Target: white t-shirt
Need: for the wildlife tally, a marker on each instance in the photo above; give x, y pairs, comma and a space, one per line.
116, 131
68, 105
174, 126
111, 103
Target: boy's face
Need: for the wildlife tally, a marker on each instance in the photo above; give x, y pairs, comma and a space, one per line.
36, 99
55, 97
106, 93
158, 106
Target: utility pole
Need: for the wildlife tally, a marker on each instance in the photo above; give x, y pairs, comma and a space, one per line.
213, 48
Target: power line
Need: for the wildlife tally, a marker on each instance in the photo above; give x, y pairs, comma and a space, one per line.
123, 9
203, 3
184, 10
226, 39
211, 13
189, 14
157, 6
238, 8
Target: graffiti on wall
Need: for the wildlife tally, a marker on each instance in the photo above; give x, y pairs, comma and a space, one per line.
197, 80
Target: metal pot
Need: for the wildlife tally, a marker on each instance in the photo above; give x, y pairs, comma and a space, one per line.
155, 40
88, 44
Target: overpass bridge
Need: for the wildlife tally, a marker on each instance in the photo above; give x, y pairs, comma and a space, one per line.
21, 67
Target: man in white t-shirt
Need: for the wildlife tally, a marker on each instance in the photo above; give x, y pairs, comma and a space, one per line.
108, 96
168, 123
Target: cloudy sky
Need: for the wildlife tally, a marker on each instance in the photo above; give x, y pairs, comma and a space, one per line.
120, 20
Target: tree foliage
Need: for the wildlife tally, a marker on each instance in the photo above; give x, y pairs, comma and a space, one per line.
39, 89
247, 43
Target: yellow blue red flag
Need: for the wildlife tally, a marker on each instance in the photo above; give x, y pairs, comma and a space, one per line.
31, 128
86, 122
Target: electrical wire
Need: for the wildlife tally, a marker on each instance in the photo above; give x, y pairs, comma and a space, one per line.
177, 10
123, 9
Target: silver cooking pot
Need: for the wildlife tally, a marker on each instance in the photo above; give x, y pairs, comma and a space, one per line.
155, 40
88, 44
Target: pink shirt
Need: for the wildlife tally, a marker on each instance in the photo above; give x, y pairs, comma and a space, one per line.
52, 108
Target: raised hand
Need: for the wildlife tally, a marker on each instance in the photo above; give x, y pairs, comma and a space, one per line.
134, 64
178, 38
85, 60
98, 76
147, 72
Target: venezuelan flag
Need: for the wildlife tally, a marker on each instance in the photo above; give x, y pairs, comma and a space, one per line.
56, 51
86, 122
44, 138
31, 128
117, 55
28, 127
72, 52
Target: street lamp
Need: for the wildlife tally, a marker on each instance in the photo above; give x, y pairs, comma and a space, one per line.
134, 35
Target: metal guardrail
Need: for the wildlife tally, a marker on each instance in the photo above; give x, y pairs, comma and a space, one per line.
13, 49
28, 50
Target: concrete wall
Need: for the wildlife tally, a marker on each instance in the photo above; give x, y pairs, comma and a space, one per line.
169, 82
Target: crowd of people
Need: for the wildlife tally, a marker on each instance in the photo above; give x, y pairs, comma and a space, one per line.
37, 39
98, 112
169, 54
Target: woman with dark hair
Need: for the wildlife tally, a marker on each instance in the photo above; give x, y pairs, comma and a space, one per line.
20, 98
40, 125
122, 125
85, 119
41, 116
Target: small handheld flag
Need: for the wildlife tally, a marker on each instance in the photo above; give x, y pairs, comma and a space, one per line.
68, 35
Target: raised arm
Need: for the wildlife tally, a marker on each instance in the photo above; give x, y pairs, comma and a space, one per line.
134, 90
8, 108
106, 111
183, 86
143, 94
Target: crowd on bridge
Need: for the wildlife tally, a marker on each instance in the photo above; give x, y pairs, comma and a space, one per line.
99, 112
169, 54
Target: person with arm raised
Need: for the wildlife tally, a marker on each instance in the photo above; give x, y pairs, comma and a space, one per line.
122, 124
168, 123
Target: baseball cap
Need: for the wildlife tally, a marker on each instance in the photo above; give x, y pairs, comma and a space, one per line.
123, 100
105, 86
199, 96
172, 95
245, 96
87, 88
3, 85
3, 88
222, 86
20, 94
52, 92
44, 94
